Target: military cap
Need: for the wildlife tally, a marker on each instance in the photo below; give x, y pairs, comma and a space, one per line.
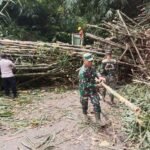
88, 57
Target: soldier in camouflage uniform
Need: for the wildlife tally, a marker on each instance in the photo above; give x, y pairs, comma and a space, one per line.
108, 70
87, 86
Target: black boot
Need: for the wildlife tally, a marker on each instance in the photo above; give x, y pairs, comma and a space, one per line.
97, 117
98, 120
112, 99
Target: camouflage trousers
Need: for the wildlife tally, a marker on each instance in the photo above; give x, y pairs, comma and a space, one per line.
110, 81
95, 100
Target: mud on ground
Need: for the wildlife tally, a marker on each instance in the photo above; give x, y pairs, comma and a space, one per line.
43, 120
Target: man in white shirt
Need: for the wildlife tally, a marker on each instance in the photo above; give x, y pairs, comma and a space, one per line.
8, 79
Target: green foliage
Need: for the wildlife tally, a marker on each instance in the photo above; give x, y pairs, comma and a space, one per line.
49, 19
45, 18
96, 10
12, 31
140, 96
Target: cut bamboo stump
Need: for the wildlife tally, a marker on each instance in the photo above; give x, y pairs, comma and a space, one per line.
133, 107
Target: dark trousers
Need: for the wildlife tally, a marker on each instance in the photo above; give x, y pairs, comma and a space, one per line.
9, 83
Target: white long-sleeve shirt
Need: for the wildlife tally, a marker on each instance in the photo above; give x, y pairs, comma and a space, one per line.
6, 67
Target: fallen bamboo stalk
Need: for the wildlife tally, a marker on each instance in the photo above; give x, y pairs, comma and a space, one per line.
134, 108
51, 45
141, 82
3, 8
33, 67
142, 61
145, 19
105, 41
11, 51
95, 26
29, 43
36, 65
79, 49
28, 55
129, 18
39, 74
132, 65
124, 52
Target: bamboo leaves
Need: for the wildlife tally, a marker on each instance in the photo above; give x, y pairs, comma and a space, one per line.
140, 95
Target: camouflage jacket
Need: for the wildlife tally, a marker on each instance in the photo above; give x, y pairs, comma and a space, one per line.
108, 67
87, 84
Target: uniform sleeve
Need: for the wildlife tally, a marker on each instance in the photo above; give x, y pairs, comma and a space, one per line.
101, 69
97, 73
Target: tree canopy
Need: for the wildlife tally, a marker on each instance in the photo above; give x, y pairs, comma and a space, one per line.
55, 19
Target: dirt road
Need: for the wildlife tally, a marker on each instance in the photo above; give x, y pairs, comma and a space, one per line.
54, 121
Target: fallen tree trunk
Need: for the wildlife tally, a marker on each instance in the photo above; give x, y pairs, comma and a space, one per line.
134, 108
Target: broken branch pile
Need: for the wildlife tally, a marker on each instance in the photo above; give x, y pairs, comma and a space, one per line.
39, 59
130, 40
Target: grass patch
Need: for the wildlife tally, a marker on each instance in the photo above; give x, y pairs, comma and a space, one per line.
5, 113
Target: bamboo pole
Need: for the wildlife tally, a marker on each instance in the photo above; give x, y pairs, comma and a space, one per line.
49, 46
128, 18
40, 67
1, 12
132, 65
98, 27
124, 53
105, 41
40, 74
142, 61
141, 82
134, 108
79, 49
145, 19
